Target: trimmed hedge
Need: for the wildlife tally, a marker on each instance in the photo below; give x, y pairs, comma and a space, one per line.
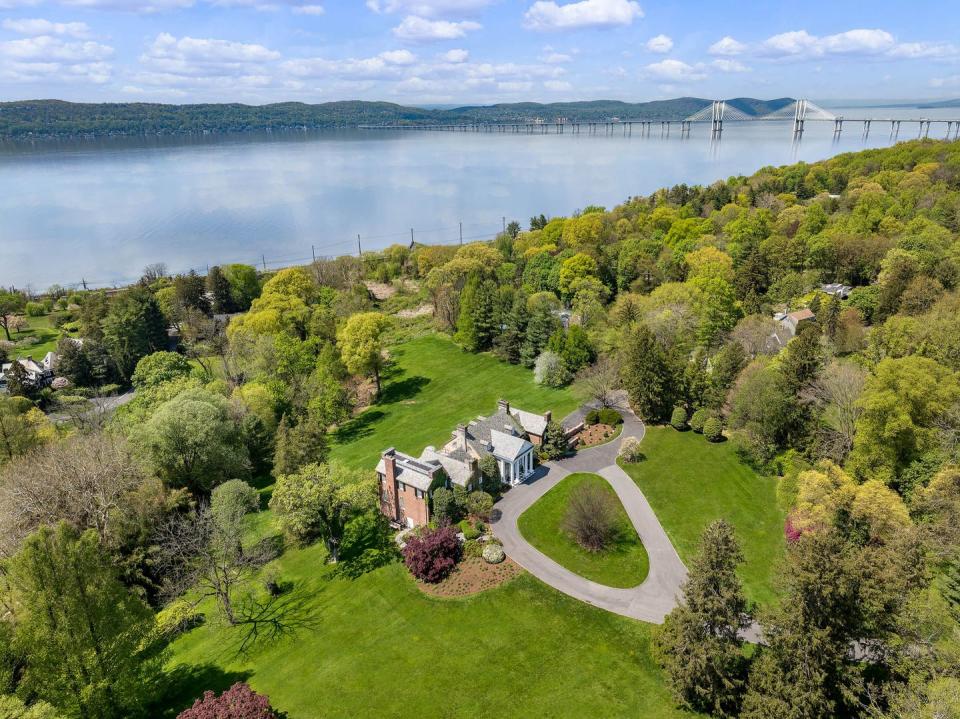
679, 418
713, 429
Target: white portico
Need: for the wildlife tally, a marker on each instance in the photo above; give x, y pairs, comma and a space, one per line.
514, 455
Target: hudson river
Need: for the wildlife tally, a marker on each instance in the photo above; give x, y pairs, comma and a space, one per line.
101, 210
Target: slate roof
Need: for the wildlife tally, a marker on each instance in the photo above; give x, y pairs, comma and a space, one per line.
508, 446
457, 465
532, 423
417, 473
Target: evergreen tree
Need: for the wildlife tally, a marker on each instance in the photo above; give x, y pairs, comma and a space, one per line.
485, 314
725, 366
297, 446
543, 323
219, 287
133, 328
510, 341
554, 445
700, 644
831, 319
803, 358
751, 280
86, 640
577, 350
466, 333
647, 375
74, 363
804, 672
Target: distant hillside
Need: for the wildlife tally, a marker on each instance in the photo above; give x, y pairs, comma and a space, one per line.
55, 118
942, 103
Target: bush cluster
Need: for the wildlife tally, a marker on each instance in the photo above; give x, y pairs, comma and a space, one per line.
607, 415
713, 429
679, 419
431, 556
238, 702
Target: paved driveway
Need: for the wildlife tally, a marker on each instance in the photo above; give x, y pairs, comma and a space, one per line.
657, 595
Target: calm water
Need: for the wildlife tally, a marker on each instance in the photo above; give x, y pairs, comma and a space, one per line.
102, 210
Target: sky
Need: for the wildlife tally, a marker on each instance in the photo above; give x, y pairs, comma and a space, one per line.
474, 51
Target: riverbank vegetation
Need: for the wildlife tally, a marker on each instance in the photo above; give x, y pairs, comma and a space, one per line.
803, 318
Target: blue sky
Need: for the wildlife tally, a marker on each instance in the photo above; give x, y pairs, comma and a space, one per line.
474, 51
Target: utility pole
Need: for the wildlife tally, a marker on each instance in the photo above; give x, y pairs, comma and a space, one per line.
84, 283
359, 248
314, 253
264, 258
411, 237
504, 224
461, 233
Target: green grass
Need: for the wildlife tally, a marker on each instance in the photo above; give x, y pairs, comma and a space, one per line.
690, 482
43, 330
624, 564
432, 386
378, 647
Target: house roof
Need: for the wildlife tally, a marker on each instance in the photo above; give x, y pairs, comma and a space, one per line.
532, 423
800, 315
508, 446
456, 464
415, 472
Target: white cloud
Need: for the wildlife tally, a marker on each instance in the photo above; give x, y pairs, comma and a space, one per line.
801, 44
13, 4
660, 43
137, 6
727, 46
547, 15
558, 85
430, 8
418, 29
933, 50
309, 10
456, 56
206, 51
38, 26
556, 58
385, 66
53, 59
675, 71
950, 81
727, 65
398, 57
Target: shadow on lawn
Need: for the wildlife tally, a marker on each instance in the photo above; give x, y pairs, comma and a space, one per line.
358, 427
403, 389
266, 619
186, 683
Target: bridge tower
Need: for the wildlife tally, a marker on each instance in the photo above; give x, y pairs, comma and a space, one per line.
799, 117
719, 108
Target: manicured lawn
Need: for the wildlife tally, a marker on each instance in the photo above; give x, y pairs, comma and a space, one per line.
624, 564
40, 328
377, 646
690, 482
432, 386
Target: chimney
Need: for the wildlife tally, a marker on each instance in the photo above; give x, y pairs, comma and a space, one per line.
462, 437
390, 466
548, 415
503, 405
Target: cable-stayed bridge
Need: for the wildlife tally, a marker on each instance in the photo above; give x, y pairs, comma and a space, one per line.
718, 113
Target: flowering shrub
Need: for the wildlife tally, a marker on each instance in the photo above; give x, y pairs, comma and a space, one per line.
630, 450
238, 702
791, 531
493, 554
433, 555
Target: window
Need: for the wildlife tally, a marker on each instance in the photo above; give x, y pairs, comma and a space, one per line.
386, 495
401, 504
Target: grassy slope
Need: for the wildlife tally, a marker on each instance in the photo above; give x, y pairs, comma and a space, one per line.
433, 386
623, 565
377, 646
41, 328
690, 482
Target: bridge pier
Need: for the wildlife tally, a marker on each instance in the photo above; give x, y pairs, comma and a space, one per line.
866, 128
837, 126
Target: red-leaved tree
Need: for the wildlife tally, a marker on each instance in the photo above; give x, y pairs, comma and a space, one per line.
432, 556
238, 702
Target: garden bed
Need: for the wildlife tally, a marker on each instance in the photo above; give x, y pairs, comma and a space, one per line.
594, 434
472, 576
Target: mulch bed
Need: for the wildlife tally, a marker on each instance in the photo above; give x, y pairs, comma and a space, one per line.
595, 434
473, 575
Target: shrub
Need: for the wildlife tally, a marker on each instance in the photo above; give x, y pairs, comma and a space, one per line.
610, 416
592, 417
238, 702
177, 617
591, 517
550, 370
713, 429
469, 531
473, 549
233, 500
433, 555
35, 309
109, 390
493, 554
679, 419
160, 367
444, 508
698, 419
479, 504
630, 450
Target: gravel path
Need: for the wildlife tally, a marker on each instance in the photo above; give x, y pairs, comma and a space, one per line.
652, 600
